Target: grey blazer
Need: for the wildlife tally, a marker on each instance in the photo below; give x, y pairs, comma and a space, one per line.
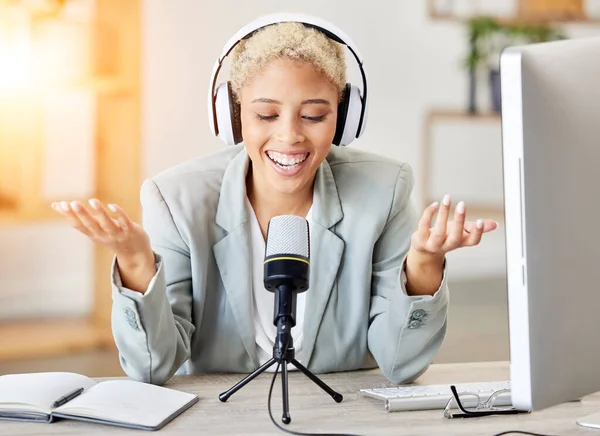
196, 315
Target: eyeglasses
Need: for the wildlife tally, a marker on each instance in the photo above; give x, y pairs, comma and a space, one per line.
472, 405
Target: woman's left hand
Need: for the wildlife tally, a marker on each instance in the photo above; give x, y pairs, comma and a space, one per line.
445, 235
429, 245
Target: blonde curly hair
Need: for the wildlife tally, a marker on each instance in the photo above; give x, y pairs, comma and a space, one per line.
288, 40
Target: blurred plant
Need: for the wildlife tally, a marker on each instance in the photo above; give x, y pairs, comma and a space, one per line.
488, 37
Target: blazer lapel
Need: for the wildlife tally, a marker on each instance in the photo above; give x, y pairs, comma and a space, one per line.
233, 253
326, 250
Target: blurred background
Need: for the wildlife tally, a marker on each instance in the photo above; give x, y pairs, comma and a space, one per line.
97, 95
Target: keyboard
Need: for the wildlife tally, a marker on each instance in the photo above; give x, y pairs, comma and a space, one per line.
427, 397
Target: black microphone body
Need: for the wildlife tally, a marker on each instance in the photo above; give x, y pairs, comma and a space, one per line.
286, 278
286, 273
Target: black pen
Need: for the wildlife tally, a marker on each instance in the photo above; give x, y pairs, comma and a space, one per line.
66, 398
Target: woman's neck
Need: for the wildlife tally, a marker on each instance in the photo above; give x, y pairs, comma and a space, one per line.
268, 204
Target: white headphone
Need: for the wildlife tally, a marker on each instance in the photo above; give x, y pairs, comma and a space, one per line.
223, 111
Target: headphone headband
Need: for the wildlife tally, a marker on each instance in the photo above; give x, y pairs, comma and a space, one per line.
327, 28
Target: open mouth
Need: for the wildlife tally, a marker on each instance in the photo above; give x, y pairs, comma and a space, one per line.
287, 161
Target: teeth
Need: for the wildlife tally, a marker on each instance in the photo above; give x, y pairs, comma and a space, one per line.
286, 160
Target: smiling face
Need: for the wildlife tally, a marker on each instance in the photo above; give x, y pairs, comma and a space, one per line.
288, 113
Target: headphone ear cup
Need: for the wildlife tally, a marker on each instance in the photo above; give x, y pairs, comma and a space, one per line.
234, 113
342, 112
223, 114
352, 115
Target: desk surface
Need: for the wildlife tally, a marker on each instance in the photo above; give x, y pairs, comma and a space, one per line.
312, 410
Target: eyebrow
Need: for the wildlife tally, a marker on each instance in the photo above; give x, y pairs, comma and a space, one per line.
309, 101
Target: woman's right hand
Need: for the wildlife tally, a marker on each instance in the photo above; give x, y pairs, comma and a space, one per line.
126, 238
119, 234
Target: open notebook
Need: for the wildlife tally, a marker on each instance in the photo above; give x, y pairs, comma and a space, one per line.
126, 403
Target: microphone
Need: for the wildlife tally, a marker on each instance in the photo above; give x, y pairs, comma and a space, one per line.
286, 273
287, 262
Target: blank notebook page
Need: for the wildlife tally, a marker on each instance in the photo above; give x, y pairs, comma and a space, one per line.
40, 389
128, 402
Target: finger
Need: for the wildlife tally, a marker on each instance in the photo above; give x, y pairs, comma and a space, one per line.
438, 233
64, 209
86, 218
455, 235
56, 206
426, 219
121, 217
475, 237
102, 217
488, 226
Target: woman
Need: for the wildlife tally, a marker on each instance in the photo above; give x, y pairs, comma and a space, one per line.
187, 288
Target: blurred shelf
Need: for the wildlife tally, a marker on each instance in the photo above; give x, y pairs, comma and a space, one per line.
7, 203
483, 207
475, 211
36, 92
42, 338
444, 114
100, 85
11, 216
39, 212
512, 21
576, 17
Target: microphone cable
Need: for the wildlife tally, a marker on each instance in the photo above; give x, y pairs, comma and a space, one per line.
291, 431
521, 432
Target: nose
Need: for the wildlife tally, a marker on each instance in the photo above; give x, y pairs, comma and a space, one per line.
289, 130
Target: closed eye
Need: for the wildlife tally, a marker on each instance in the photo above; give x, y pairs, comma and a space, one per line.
315, 119
266, 117
273, 117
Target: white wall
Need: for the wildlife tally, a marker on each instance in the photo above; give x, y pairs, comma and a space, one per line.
46, 271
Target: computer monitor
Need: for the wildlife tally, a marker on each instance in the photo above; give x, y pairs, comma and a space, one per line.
551, 167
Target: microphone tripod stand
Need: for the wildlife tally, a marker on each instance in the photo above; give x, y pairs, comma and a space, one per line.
283, 353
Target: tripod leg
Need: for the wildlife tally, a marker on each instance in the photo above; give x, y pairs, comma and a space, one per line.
284, 391
225, 395
336, 396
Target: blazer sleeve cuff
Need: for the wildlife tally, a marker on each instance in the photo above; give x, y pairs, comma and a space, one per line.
121, 290
438, 299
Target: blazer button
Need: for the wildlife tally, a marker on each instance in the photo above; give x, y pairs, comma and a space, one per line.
414, 324
419, 314
130, 317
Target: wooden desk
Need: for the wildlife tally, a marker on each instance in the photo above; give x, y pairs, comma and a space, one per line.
312, 410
